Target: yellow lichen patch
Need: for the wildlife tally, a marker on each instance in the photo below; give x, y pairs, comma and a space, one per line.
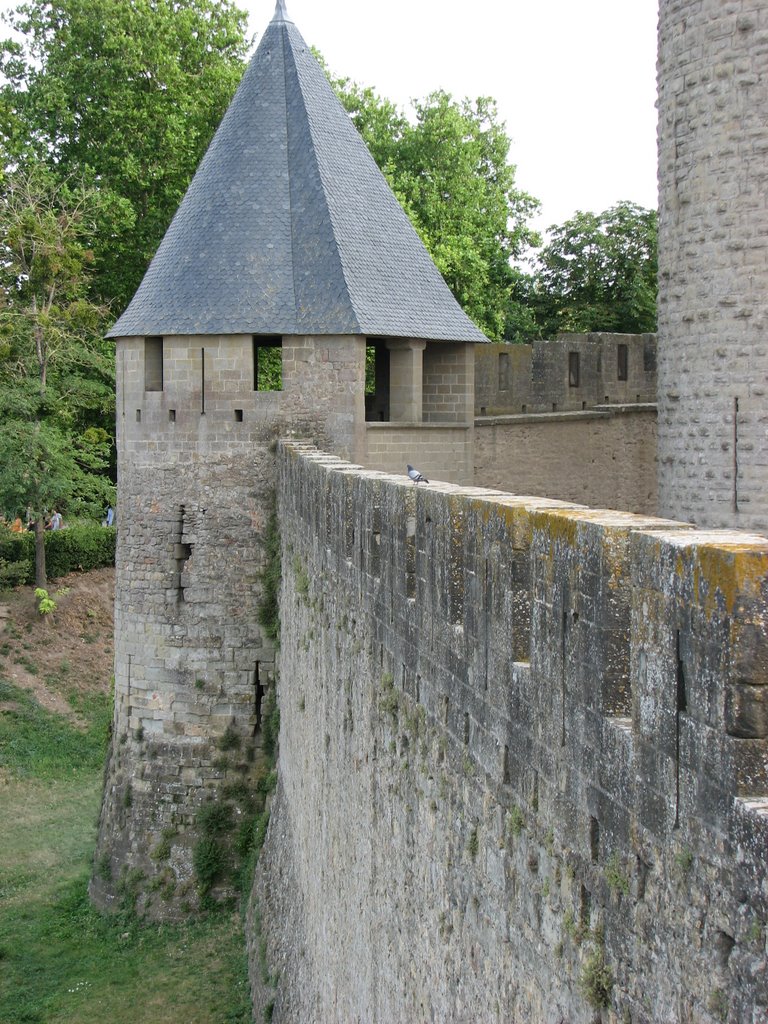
559, 525
517, 523
615, 557
733, 572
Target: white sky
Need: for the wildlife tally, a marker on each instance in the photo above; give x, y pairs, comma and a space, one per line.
575, 80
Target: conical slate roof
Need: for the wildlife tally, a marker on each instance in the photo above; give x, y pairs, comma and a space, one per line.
289, 227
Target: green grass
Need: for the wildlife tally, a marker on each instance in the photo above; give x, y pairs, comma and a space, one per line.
35, 743
60, 960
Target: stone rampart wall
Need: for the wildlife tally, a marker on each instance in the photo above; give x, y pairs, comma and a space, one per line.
523, 760
603, 458
575, 371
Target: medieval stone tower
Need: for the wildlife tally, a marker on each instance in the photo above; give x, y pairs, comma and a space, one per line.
289, 246
713, 263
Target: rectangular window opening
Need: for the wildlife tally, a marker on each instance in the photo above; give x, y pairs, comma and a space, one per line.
238, 415
503, 371
376, 382
153, 364
573, 369
622, 353
267, 363
138, 415
171, 415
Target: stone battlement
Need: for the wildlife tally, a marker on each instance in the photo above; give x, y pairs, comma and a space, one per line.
520, 739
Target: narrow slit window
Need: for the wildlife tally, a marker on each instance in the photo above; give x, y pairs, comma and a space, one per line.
267, 364
503, 371
622, 355
153, 364
573, 369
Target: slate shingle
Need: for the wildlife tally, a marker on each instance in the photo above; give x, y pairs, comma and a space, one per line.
289, 227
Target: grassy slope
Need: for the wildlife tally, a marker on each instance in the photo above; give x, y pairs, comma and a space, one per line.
60, 960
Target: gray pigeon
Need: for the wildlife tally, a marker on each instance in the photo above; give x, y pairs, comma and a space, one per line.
416, 476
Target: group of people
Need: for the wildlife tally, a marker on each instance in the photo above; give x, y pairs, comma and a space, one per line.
52, 521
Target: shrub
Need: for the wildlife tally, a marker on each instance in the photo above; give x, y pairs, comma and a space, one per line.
596, 980
208, 862
214, 818
78, 548
12, 574
18, 549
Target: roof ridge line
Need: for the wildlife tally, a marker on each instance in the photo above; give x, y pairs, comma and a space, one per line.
336, 236
290, 189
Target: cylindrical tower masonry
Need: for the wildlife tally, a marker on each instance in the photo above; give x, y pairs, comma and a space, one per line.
713, 262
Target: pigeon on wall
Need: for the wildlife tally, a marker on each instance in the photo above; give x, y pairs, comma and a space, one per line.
416, 476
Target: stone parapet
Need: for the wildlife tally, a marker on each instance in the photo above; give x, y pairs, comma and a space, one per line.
524, 758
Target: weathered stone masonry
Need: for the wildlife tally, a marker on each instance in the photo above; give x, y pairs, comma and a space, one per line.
521, 741
192, 667
713, 262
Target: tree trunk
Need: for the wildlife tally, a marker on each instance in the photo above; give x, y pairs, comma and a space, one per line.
41, 580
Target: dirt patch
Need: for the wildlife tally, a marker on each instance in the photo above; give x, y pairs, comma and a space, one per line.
62, 657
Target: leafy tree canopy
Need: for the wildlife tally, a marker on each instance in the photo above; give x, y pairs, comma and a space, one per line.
598, 273
56, 372
126, 95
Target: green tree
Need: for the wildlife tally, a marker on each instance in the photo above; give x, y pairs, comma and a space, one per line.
127, 94
456, 183
450, 169
55, 368
598, 273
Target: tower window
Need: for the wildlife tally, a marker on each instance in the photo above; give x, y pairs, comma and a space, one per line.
503, 371
153, 364
573, 369
623, 362
267, 363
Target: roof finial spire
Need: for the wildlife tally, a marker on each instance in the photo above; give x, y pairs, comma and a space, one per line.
281, 14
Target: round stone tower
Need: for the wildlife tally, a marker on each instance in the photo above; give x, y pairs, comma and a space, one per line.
713, 263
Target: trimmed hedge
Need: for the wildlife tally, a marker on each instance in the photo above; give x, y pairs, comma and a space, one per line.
77, 548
